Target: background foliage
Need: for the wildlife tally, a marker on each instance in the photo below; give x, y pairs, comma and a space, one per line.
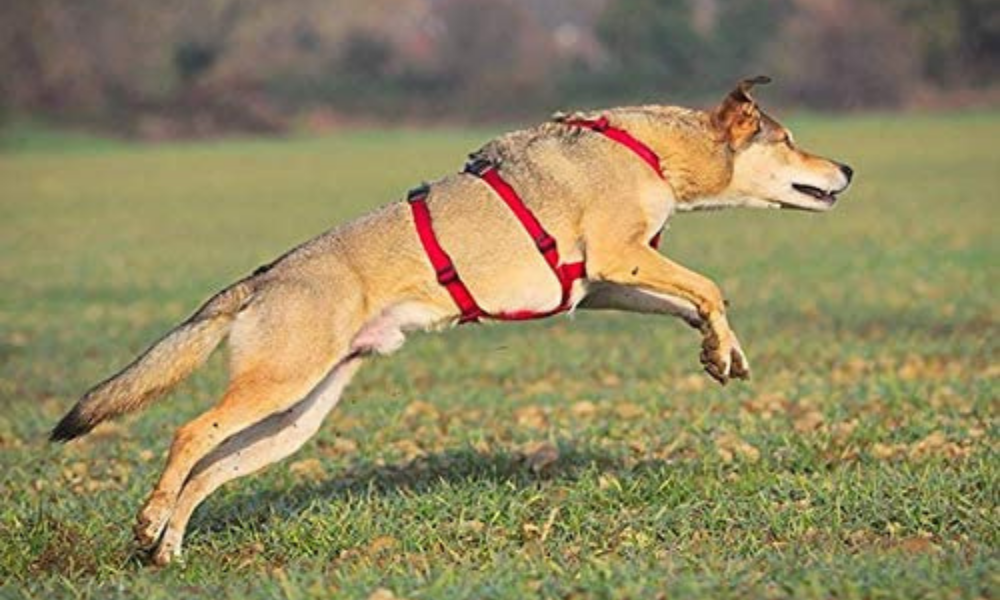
199, 67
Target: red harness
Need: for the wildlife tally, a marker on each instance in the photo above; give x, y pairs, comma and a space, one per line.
567, 273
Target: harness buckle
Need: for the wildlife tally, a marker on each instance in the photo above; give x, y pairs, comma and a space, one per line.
447, 275
545, 243
419, 193
600, 125
478, 166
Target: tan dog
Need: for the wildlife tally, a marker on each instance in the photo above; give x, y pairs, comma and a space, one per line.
300, 327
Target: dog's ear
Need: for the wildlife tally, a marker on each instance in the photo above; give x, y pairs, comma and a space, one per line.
737, 119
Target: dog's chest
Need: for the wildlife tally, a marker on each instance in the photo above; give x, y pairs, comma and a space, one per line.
657, 204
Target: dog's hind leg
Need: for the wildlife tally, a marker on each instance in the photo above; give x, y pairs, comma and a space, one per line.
252, 449
248, 400
280, 352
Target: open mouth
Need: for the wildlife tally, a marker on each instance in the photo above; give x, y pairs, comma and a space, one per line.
826, 197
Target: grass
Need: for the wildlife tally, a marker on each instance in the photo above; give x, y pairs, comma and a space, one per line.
569, 458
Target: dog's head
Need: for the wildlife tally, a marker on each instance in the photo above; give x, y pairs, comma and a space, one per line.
768, 169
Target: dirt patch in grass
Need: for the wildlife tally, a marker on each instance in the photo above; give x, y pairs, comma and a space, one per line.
66, 551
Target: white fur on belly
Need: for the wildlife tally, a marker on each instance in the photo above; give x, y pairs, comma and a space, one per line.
386, 333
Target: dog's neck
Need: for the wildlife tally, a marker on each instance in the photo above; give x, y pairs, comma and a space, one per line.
696, 161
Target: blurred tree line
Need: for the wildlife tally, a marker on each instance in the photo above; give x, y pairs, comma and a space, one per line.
197, 67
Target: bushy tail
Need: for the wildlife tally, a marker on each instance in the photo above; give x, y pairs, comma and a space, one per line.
157, 370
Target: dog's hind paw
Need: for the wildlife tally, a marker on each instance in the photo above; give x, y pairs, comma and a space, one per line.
167, 552
151, 521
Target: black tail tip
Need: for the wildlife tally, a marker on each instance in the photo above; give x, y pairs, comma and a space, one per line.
72, 426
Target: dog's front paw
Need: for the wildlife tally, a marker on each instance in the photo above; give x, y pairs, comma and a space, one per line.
721, 354
740, 368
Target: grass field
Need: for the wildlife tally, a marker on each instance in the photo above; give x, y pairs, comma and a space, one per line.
570, 458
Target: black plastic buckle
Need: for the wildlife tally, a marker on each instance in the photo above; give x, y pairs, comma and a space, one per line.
419, 193
478, 166
600, 125
545, 243
447, 275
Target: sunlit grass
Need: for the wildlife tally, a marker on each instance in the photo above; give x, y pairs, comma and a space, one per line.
581, 456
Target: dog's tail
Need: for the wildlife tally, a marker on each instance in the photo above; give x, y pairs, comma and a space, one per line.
157, 370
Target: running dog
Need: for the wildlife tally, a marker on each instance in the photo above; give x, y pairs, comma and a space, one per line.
559, 217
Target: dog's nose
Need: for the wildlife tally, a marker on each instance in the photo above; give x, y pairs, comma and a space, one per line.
847, 171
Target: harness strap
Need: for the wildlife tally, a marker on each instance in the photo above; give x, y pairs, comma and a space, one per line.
603, 126
486, 170
447, 276
545, 243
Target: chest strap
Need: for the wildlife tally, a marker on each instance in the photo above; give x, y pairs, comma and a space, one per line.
567, 274
444, 268
545, 243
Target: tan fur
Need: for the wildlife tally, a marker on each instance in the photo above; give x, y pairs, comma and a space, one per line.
159, 368
298, 328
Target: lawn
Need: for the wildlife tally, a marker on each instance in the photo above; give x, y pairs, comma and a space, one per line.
569, 458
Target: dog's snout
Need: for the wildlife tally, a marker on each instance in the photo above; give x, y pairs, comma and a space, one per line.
847, 171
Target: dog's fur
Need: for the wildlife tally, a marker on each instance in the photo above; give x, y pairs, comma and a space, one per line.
300, 327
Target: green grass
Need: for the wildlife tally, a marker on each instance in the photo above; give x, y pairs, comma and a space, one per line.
861, 462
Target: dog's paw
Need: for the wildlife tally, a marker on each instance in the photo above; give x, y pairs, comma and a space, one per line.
721, 354
152, 520
740, 368
168, 551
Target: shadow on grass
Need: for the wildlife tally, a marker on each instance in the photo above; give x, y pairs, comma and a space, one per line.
418, 475
68, 548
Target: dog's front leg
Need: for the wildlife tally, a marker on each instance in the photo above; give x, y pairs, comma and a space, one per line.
641, 268
604, 295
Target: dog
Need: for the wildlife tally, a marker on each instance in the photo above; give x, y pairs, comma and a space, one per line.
554, 218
